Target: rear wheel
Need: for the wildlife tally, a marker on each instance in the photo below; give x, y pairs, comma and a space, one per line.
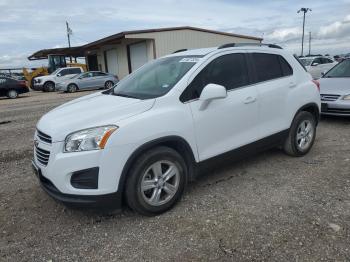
12, 94
109, 84
156, 181
72, 88
49, 87
302, 134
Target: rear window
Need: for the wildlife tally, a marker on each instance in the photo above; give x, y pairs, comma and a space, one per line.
270, 66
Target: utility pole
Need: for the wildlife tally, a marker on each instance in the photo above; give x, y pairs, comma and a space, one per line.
304, 10
69, 32
309, 43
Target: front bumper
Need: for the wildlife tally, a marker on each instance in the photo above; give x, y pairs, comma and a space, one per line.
108, 201
38, 86
336, 108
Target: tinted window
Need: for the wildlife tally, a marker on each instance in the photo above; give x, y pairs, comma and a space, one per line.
229, 71
99, 74
317, 60
64, 72
286, 68
74, 71
270, 66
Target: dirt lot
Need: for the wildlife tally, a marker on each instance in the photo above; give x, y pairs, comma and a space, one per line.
269, 207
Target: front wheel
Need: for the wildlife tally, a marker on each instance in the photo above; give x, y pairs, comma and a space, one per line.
302, 134
156, 181
109, 84
12, 94
49, 87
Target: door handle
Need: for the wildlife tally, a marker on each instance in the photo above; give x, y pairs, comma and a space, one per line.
292, 84
249, 100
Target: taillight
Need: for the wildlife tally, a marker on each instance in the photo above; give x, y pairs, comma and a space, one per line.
317, 83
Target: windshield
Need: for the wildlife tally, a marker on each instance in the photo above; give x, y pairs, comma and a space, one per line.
306, 61
155, 78
340, 70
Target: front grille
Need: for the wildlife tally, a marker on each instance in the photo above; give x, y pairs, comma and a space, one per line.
42, 155
327, 97
44, 137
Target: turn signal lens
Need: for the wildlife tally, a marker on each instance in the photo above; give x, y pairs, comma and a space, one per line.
105, 137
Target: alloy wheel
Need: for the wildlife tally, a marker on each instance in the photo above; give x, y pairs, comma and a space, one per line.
160, 183
305, 134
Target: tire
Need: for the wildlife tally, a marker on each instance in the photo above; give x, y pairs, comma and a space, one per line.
12, 94
49, 87
109, 84
72, 88
144, 171
303, 127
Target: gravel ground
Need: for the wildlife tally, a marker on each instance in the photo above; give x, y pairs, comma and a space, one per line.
269, 207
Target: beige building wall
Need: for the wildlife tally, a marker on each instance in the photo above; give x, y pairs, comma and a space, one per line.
169, 41
164, 43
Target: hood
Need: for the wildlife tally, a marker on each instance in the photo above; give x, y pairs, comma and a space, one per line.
89, 111
335, 86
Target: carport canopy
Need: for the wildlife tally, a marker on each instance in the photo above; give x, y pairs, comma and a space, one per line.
77, 51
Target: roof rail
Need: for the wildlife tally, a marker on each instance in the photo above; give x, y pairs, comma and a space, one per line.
180, 50
248, 44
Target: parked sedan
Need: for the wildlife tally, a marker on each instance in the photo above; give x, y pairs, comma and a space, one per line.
88, 80
335, 90
11, 87
317, 65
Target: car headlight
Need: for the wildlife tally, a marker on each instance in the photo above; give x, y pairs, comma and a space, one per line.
347, 97
88, 139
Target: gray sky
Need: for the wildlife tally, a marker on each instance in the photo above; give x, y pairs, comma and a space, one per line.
28, 26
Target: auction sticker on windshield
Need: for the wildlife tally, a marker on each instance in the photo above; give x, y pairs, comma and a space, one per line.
189, 60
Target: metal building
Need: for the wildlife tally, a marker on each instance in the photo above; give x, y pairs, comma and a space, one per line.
122, 53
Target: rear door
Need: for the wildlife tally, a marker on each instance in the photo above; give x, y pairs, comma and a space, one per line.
227, 123
274, 79
99, 79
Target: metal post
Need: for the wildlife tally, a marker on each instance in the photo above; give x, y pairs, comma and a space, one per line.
309, 43
302, 40
304, 10
68, 36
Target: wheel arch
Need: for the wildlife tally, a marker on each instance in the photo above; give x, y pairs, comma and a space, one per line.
175, 142
311, 108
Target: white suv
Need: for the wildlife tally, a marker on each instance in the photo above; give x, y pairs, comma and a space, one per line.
48, 83
144, 139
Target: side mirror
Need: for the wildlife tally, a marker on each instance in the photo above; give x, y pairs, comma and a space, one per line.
314, 64
59, 74
323, 73
211, 92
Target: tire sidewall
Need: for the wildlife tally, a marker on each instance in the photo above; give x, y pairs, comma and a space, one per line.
72, 88
297, 121
14, 92
106, 87
48, 85
133, 189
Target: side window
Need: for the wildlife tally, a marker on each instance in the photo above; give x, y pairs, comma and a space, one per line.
229, 71
99, 74
3, 80
268, 66
317, 60
64, 72
74, 71
287, 70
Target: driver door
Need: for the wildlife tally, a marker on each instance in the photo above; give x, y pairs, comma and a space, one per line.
227, 123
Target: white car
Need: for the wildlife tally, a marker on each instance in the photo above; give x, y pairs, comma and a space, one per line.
317, 65
48, 83
143, 140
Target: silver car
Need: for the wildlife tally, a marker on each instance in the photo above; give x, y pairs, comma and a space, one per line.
335, 90
88, 80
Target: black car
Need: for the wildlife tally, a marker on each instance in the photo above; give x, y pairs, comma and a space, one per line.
11, 87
